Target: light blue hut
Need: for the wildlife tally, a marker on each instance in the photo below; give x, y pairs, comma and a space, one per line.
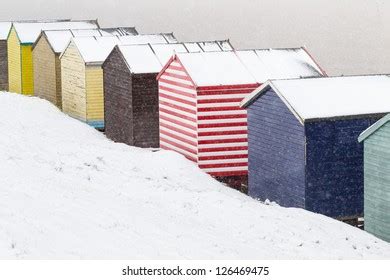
376, 141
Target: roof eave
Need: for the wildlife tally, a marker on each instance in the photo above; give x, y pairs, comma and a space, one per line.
370, 130
252, 97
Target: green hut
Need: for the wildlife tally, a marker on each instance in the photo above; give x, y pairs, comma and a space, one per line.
377, 178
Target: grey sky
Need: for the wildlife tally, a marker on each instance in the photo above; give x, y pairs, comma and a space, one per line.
346, 36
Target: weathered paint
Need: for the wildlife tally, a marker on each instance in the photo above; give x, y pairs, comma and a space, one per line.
276, 152
27, 70
95, 96
74, 102
14, 62
334, 171
316, 165
45, 80
3, 66
377, 182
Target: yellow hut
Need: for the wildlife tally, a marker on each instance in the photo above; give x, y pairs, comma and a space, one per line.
46, 58
82, 73
19, 44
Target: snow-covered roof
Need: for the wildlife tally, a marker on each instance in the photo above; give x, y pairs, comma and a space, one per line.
216, 68
149, 39
28, 32
165, 51
332, 97
121, 31
260, 65
95, 49
269, 64
365, 134
140, 58
59, 39
5, 27
150, 58
208, 46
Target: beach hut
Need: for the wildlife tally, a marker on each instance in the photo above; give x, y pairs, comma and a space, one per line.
131, 89
19, 44
199, 108
82, 73
5, 27
46, 58
376, 141
303, 148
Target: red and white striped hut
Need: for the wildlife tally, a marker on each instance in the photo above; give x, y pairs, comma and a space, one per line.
199, 97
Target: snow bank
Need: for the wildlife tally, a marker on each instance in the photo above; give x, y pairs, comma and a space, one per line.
68, 192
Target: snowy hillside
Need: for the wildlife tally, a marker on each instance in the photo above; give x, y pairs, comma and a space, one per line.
68, 192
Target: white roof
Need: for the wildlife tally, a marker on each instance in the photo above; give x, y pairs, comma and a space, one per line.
318, 98
28, 32
4, 29
95, 49
149, 58
216, 68
59, 39
208, 46
248, 66
148, 39
279, 64
193, 47
165, 51
140, 59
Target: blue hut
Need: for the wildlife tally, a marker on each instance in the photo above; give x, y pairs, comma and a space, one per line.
303, 148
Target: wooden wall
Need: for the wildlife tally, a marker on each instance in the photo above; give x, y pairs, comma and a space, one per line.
130, 104
3, 66
95, 96
145, 110
58, 82
177, 111
44, 59
222, 130
14, 63
74, 101
334, 170
276, 152
377, 183
118, 107
27, 70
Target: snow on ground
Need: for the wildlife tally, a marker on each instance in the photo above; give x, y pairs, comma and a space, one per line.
68, 192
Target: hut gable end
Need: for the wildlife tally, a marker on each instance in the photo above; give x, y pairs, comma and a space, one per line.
73, 83
178, 110
377, 178
14, 62
118, 109
44, 63
276, 152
